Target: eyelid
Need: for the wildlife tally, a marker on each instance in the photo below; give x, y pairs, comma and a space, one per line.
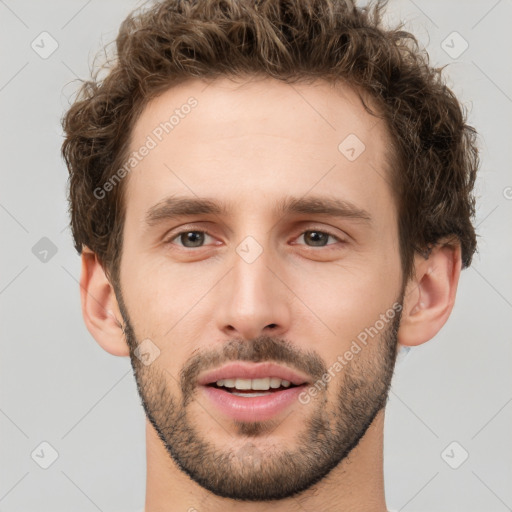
184, 228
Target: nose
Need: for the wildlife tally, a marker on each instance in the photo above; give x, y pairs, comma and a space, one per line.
253, 300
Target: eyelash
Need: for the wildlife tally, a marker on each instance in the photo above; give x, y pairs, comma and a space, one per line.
169, 241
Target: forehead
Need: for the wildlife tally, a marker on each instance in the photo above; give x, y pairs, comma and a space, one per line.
253, 140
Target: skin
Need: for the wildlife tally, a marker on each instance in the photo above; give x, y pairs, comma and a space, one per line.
250, 144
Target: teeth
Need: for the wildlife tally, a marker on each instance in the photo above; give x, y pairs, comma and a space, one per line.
251, 395
261, 384
275, 383
243, 384
256, 384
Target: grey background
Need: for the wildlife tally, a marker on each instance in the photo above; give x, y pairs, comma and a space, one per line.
58, 386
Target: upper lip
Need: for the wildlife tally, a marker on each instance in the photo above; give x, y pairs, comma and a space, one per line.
247, 370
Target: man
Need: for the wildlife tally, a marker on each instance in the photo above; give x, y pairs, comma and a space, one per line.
270, 198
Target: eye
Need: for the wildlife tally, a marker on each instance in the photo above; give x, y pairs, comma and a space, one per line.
318, 238
193, 238
189, 239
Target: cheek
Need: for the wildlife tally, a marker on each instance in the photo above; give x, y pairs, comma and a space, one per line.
167, 301
347, 297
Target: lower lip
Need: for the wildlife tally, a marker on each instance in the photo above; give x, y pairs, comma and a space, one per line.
258, 408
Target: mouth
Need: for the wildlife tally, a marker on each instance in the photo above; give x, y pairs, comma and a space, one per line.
252, 392
250, 388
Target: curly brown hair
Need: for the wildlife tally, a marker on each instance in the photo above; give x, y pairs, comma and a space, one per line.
434, 150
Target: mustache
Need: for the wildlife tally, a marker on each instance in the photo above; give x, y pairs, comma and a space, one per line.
261, 349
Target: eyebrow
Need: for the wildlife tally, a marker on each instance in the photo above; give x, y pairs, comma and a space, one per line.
175, 207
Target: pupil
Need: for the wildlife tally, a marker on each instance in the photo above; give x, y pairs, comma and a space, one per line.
317, 235
195, 237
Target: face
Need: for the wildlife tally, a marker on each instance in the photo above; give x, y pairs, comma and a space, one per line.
260, 249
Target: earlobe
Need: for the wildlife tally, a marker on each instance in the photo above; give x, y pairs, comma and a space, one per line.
99, 306
430, 295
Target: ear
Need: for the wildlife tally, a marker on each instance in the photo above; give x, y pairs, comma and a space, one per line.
430, 295
99, 306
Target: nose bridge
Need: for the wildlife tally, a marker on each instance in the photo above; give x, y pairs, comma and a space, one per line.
250, 272
254, 299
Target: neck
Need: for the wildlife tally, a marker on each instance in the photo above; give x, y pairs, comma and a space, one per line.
355, 485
